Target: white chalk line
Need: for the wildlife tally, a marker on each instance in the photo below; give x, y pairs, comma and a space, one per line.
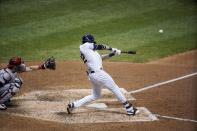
163, 83
176, 118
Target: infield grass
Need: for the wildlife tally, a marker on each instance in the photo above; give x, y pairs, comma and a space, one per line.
41, 28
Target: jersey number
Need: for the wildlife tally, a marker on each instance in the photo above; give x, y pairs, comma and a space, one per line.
83, 58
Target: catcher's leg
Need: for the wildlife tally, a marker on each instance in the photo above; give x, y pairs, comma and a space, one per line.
96, 93
3, 98
7, 92
5, 95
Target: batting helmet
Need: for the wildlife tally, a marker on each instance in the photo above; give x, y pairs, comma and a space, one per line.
88, 38
14, 61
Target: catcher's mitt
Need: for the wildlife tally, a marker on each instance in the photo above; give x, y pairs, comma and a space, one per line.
50, 63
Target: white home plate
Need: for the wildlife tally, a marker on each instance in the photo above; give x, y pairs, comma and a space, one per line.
99, 106
51, 106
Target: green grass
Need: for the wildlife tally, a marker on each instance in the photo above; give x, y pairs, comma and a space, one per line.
41, 28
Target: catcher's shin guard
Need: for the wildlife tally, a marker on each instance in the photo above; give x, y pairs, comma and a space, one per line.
5, 96
70, 108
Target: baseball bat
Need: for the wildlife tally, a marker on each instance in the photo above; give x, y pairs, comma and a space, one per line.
128, 52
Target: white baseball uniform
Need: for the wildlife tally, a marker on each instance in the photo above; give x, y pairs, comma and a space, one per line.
98, 77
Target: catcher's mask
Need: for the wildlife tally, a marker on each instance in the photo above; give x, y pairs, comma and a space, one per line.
14, 63
88, 38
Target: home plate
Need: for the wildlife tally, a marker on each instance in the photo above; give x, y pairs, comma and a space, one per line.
99, 106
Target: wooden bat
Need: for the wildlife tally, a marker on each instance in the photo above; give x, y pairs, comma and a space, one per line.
128, 52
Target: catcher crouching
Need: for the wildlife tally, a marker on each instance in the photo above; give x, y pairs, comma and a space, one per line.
10, 82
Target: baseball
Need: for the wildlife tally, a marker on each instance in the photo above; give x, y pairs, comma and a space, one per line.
160, 31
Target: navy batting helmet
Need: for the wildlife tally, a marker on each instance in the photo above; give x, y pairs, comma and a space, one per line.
88, 38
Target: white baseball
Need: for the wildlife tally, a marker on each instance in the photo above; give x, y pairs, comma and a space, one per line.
160, 31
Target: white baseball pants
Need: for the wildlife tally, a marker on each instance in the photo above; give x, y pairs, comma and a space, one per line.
100, 79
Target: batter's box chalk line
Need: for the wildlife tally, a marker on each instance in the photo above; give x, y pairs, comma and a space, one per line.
175, 118
163, 83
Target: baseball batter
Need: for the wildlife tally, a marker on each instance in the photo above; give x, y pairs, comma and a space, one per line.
98, 77
10, 82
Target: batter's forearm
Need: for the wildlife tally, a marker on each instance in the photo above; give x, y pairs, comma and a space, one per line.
102, 47
107, 56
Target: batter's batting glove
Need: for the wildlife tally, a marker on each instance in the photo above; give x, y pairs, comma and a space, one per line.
116, 51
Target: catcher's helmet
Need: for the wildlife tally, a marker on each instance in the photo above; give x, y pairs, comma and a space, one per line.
88, 38
14, 61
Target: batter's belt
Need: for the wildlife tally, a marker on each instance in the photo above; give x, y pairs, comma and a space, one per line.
91, 71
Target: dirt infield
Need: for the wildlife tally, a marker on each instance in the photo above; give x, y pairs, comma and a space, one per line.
176, 100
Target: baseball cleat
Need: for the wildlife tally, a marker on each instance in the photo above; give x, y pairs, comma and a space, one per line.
133, 112
70, 108
3, 107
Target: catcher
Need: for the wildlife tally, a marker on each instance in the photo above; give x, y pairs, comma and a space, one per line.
10, 82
